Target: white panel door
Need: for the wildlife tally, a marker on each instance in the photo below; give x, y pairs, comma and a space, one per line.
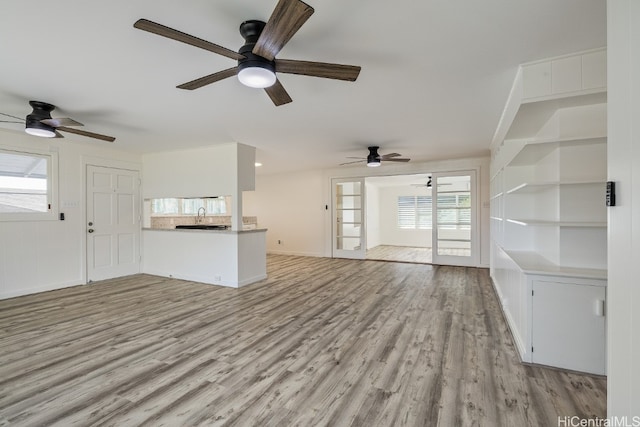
348, 215
454, 218
113, 223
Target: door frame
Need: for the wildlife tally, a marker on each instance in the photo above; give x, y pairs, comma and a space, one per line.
472, 260
340, 253
479, 166
107, 163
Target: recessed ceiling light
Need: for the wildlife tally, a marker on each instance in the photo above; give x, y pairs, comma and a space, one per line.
258, 164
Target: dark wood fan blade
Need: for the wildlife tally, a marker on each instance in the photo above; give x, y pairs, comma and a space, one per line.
60, 122
278, 94
395, 160
351, 157
13, 117
387, 156
286, 19
211, 78
85, 133
161, 30
11, 121
350, 163
318, 69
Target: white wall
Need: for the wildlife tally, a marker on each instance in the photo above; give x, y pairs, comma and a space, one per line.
199, 172
292, 209
36, 256
623, 293
390, 234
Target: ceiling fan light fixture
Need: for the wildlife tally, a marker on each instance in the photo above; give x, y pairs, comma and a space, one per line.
373, 162
40, 129
257, 76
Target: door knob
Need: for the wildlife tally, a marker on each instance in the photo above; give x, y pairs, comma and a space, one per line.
91, 230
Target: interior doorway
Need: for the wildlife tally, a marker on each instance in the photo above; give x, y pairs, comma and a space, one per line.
398, 218
427, 218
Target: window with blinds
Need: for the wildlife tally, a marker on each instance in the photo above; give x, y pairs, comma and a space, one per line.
454, 212
414, 212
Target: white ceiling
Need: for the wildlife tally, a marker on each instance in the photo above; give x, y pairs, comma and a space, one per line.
435, 73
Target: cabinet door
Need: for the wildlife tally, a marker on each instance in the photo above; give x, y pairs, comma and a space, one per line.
568, 326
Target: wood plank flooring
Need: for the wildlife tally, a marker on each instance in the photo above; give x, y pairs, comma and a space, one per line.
410, 253
320, 342
399, 253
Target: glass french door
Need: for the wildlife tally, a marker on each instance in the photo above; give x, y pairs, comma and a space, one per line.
348, 216
454, 220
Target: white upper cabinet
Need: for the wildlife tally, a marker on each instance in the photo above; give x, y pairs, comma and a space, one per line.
564, 75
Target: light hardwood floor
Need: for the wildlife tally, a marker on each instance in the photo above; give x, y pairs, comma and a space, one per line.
400, 253
409, 253
320, 342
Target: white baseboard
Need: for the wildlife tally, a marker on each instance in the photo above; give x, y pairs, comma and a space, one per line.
12, 293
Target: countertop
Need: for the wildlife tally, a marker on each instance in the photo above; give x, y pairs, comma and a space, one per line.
186, 230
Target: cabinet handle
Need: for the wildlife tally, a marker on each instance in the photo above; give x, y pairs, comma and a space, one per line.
599, 307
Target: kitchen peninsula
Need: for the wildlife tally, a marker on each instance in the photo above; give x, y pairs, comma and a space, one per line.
219, 257
232, 256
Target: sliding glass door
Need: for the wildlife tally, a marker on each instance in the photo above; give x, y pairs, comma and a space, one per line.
454, 220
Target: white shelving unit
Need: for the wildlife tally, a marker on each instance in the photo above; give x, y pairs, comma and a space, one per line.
548, 217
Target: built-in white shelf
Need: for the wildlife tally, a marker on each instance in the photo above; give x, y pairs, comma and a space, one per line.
534, 263
535, 149
548, 219
566, 100
531, 187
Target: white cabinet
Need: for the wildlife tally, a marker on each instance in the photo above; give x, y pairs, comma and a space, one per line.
548, 214
568, 324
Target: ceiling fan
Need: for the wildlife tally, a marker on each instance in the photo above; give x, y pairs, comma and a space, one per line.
40, 123
428, 184
373, 159
257, 63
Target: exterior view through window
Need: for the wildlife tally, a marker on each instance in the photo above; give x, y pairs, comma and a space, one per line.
24, 183
175, 206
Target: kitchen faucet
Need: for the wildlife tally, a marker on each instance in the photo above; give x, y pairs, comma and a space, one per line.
204, 214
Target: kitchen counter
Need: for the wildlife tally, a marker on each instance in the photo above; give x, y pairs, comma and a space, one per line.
199, 230
231, 258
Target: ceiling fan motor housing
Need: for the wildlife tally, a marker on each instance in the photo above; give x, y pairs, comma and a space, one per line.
41, 111
250, 31
373, 158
